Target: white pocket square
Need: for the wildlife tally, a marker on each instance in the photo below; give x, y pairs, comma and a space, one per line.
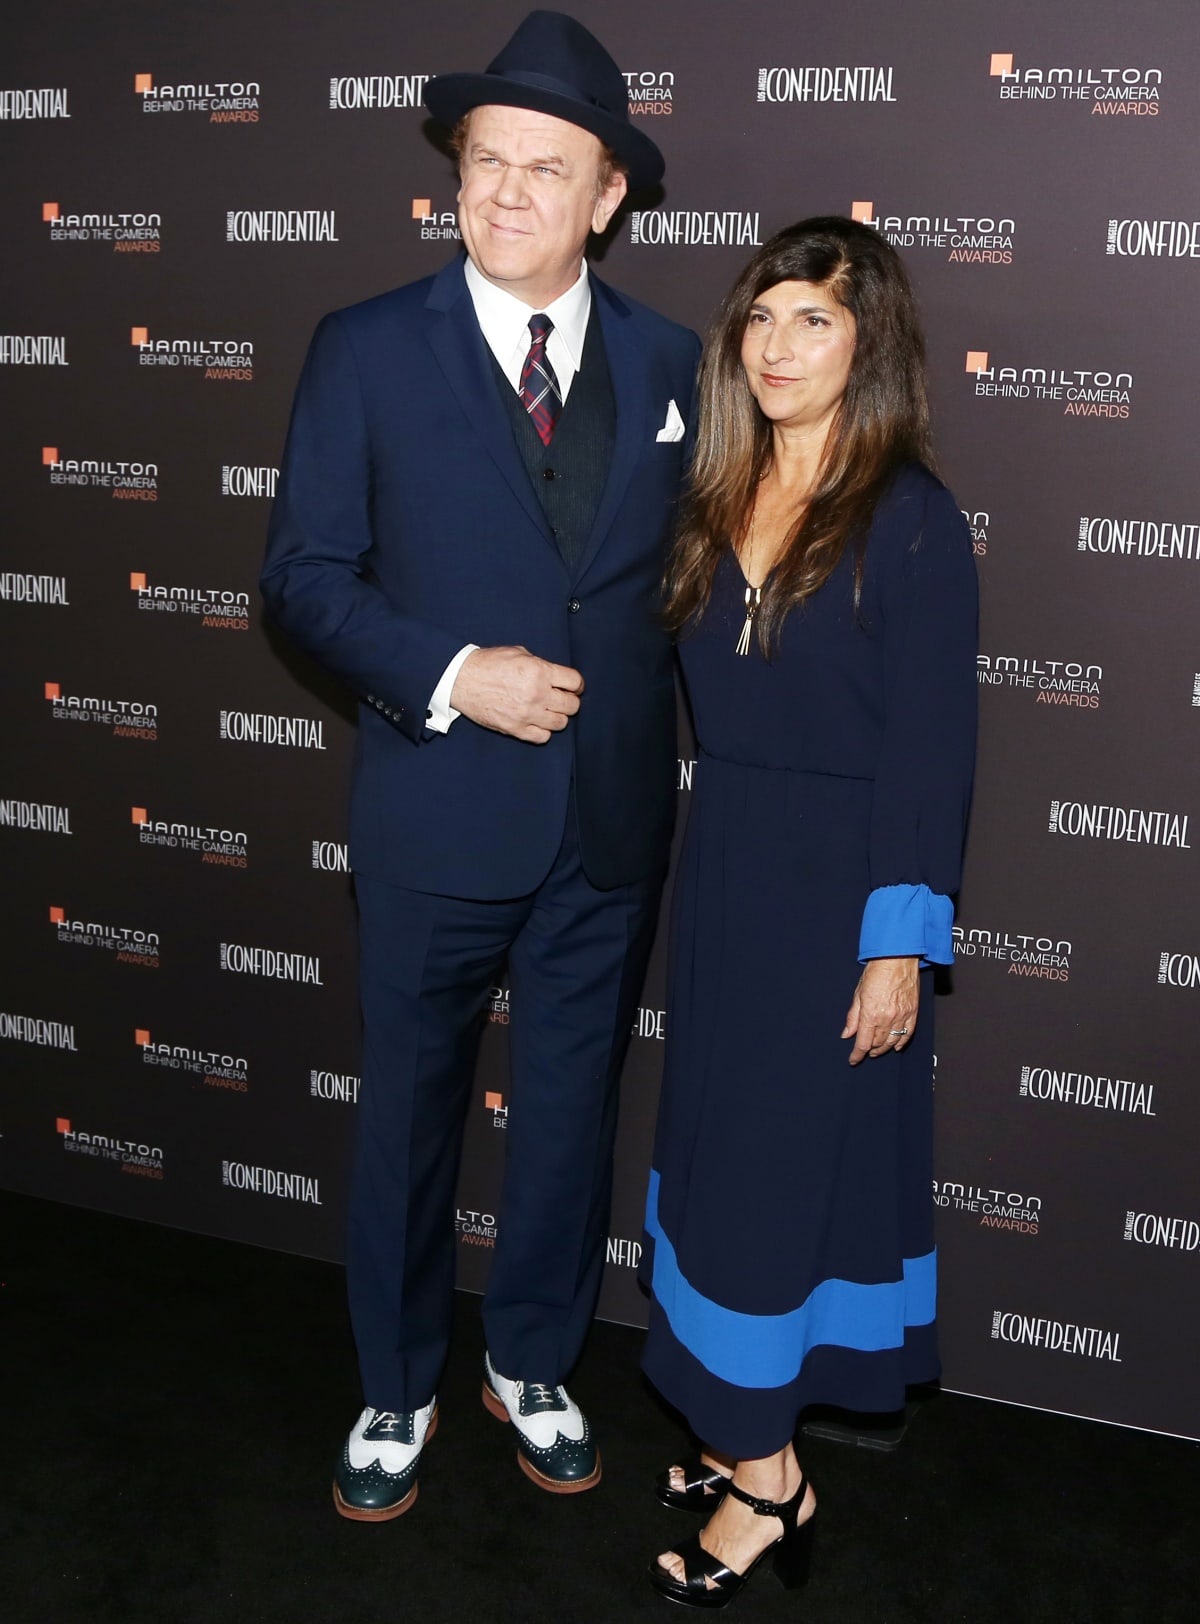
672, 429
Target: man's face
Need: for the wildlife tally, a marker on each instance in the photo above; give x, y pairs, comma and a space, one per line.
529, 198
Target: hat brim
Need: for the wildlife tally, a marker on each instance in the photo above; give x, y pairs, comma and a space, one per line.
452, 95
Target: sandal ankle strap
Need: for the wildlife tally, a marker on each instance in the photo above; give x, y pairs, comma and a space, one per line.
771, 1508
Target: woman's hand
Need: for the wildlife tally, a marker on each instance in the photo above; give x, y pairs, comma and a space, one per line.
883, 1011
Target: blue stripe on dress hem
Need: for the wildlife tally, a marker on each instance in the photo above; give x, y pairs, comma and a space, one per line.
902, 919
767, 1350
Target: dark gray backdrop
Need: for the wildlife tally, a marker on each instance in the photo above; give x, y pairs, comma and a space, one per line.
1037, 166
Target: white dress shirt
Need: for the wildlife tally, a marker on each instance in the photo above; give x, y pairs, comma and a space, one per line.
504, 322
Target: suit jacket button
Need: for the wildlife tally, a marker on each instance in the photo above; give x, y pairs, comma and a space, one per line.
574, 606
547, 473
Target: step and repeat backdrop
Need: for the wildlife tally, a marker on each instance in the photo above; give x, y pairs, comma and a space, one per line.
186, 190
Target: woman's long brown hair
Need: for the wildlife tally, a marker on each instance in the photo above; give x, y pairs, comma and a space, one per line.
881, 422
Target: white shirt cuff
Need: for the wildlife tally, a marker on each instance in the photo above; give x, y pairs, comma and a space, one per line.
441, 712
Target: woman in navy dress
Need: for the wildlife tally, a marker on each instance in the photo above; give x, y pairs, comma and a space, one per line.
824, 592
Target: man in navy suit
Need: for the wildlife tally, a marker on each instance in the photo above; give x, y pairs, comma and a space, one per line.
477, 492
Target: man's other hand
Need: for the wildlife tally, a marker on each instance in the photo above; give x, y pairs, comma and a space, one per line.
512, 691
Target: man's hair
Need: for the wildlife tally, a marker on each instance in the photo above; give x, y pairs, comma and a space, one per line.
882, 421
609, 166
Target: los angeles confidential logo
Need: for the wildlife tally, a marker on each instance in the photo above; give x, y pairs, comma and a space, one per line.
865, 83
1099, 821
281, 225
47, 102
356, 93
1138, 538
689, 228
16, 587
30, 350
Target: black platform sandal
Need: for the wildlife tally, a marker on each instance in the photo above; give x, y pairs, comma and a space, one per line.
703, 1486
791, 1553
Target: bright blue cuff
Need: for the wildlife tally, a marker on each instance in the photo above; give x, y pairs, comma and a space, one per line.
903, 919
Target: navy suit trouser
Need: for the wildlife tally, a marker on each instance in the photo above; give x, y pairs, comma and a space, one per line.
576, 958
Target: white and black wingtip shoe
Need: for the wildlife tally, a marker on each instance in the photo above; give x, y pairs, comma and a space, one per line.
376, 1476
556, 1451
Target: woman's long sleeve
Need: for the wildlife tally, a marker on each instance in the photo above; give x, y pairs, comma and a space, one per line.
926, 764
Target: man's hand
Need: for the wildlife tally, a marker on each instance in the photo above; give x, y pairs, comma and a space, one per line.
883, 1012
512, 691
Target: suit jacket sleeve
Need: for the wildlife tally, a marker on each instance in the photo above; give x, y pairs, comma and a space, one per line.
316, 580
926, 765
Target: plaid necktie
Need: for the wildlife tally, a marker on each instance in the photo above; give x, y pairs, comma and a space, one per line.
540, 393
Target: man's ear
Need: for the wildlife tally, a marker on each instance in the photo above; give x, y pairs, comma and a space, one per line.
609, 202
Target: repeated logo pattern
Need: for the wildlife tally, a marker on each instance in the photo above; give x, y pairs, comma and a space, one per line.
173, 822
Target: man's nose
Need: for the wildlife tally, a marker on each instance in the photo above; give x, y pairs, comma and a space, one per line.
510, 191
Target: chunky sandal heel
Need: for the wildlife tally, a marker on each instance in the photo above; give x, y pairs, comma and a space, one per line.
703, 1486
791, 1553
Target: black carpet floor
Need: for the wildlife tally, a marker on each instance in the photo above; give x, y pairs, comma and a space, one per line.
172, 1406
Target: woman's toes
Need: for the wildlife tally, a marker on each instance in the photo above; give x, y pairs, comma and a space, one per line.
672, 1563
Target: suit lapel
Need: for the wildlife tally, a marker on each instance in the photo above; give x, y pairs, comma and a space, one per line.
461, 352
628, 370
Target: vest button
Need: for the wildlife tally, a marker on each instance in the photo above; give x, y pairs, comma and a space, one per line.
547, 473
574, 606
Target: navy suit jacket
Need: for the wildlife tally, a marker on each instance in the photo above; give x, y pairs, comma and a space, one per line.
406, 525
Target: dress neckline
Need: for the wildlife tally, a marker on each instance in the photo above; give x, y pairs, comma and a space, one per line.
737, 564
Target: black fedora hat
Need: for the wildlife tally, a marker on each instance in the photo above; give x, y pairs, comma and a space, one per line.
552, 64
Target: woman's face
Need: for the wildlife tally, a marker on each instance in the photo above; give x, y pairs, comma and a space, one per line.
796, 351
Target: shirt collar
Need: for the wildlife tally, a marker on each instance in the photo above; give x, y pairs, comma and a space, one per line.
504, 318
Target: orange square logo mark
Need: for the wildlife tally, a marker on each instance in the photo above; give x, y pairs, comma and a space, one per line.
137, 581
977, 361
143, 82
141, 1037
862, 212
49, 455
493, 1102
53, 690
422, 208
49, 211
57, 916
62, 1124
140, 815
1002, 62
139, 335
